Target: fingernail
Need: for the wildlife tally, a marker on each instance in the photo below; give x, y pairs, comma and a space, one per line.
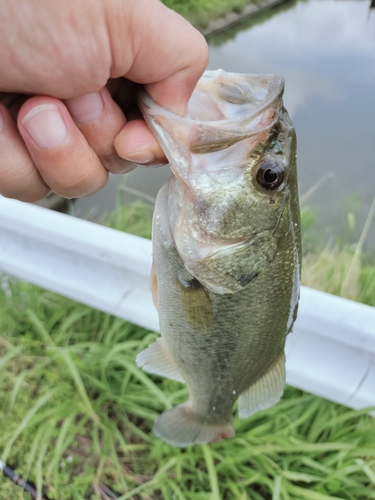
45, 126
85, 108
140, 157
1, 120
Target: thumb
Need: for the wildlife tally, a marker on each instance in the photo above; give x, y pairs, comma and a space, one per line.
168, 54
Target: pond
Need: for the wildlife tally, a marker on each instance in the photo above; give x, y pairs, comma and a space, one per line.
325, 49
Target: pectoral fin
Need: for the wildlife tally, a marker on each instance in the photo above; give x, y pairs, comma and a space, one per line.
266, 391
196, 305
157, 360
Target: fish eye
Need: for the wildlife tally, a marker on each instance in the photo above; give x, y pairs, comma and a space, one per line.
270, 174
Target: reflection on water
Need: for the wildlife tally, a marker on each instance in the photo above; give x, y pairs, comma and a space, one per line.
325, 49
224, 36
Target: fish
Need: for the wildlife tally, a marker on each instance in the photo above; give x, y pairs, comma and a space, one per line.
226, 252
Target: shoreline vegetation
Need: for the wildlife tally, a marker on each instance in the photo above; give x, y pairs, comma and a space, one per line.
76, 412
212, 16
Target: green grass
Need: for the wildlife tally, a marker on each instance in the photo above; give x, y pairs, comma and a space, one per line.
76, 412
201, 12
339, 268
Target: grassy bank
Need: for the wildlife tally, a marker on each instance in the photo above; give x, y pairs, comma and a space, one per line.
76, 413
201, 12
341, 269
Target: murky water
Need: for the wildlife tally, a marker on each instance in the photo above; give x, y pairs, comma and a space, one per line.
325, 49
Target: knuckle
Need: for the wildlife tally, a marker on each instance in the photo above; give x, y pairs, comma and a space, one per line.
79, 184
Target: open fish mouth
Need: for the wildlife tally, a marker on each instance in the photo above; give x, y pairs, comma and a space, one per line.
224, 109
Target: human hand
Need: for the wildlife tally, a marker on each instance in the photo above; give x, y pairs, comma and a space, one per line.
81, 62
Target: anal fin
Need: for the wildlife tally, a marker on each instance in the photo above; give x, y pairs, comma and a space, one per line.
157, 360
266, 391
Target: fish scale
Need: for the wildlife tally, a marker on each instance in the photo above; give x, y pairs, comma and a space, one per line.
226, 254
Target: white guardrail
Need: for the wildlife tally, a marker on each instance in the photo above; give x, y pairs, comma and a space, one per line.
331, 352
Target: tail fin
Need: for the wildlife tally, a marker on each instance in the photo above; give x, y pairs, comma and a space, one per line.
183, 427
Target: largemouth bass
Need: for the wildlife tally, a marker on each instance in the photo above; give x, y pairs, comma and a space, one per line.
226, 252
